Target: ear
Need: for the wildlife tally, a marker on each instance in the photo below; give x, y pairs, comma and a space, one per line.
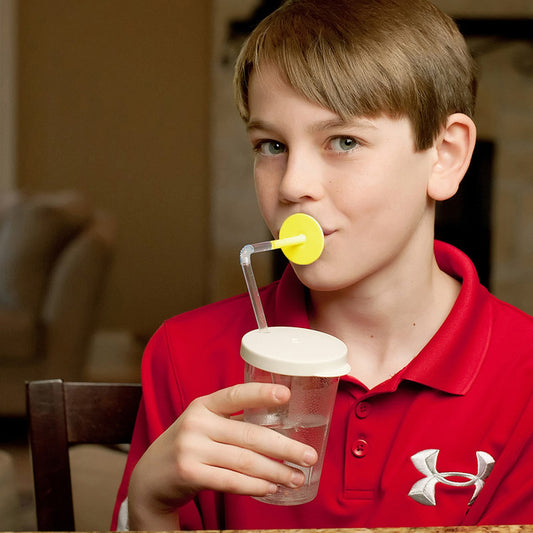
454, 147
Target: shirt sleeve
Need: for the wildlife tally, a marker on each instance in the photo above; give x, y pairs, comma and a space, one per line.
123, 518
160, 405
508, 493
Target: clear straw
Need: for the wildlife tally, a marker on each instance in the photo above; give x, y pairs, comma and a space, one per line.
246, 265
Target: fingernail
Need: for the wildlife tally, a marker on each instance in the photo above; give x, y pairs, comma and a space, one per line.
297, 479
309, 457
280, 394
272, 489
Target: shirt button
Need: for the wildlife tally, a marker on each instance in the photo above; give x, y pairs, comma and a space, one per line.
362, 409
360, 448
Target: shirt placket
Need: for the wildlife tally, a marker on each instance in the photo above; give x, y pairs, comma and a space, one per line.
360, 458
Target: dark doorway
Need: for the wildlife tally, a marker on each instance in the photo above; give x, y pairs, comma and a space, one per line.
464, 220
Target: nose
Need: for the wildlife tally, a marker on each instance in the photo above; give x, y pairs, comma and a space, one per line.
301, 179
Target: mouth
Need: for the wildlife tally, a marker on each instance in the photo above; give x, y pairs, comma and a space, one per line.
326, 231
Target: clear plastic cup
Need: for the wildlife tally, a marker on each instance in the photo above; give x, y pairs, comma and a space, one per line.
309, 363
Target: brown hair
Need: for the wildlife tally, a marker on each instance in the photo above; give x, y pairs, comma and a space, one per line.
364, 58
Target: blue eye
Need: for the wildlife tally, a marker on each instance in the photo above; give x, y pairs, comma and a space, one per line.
270, 148
343, 144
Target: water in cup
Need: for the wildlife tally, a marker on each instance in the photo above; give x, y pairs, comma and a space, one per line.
314, 432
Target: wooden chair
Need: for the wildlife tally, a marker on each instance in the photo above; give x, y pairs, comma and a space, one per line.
64, 413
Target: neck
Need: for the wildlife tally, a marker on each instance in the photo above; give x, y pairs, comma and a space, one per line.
385, 325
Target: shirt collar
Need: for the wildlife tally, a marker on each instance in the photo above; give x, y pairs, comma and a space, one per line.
451, 360
290, 304
453, 357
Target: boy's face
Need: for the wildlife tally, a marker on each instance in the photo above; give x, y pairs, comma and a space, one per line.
362, 180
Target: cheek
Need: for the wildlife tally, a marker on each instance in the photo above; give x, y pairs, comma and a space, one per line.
267, 196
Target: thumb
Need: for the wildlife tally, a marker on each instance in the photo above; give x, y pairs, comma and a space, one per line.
231, 400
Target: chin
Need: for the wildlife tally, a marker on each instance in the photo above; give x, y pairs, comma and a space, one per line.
317, 278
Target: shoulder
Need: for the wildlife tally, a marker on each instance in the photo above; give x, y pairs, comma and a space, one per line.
510, 349
225, 315
207, 337
511, 321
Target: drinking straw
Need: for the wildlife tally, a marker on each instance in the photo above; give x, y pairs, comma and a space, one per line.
246, 265
301, 240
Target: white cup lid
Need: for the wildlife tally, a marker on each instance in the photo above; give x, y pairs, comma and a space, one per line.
295, 352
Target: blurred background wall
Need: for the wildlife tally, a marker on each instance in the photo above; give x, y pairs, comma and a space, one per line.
112, 100
504, 116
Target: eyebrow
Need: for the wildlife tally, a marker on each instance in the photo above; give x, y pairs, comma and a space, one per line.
256, 125
340, 123
322, 125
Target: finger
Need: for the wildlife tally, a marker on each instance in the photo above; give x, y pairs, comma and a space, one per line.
254, 464
231, 400
229, 481
193, 457
264, 441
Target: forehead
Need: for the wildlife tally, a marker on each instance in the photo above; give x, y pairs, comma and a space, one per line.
269, 93
274, 104
267, 79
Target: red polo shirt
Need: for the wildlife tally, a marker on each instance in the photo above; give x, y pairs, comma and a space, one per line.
446, 441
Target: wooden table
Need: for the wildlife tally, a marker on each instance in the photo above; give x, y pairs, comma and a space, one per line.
452, 529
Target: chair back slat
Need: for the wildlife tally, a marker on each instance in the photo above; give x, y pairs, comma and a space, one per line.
64, 413
98, 413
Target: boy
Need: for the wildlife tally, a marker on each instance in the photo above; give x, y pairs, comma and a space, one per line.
359, 114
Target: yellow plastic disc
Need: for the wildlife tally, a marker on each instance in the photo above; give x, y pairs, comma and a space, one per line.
308, 251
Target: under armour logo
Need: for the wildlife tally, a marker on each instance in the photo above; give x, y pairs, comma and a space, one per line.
423, 491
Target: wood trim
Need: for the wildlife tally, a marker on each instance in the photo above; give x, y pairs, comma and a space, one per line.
8, 98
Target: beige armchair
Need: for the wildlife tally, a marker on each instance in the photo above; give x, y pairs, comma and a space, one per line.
55, 252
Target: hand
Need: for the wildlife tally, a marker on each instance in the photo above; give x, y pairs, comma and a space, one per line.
206, 449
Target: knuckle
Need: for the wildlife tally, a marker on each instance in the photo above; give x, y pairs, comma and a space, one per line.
183, 451
184, 468
234, 394
188, 424
196, 405
250, 438
244, 461
192, 419
181, 447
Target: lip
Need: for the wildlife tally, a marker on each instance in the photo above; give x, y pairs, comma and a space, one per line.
326, 231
